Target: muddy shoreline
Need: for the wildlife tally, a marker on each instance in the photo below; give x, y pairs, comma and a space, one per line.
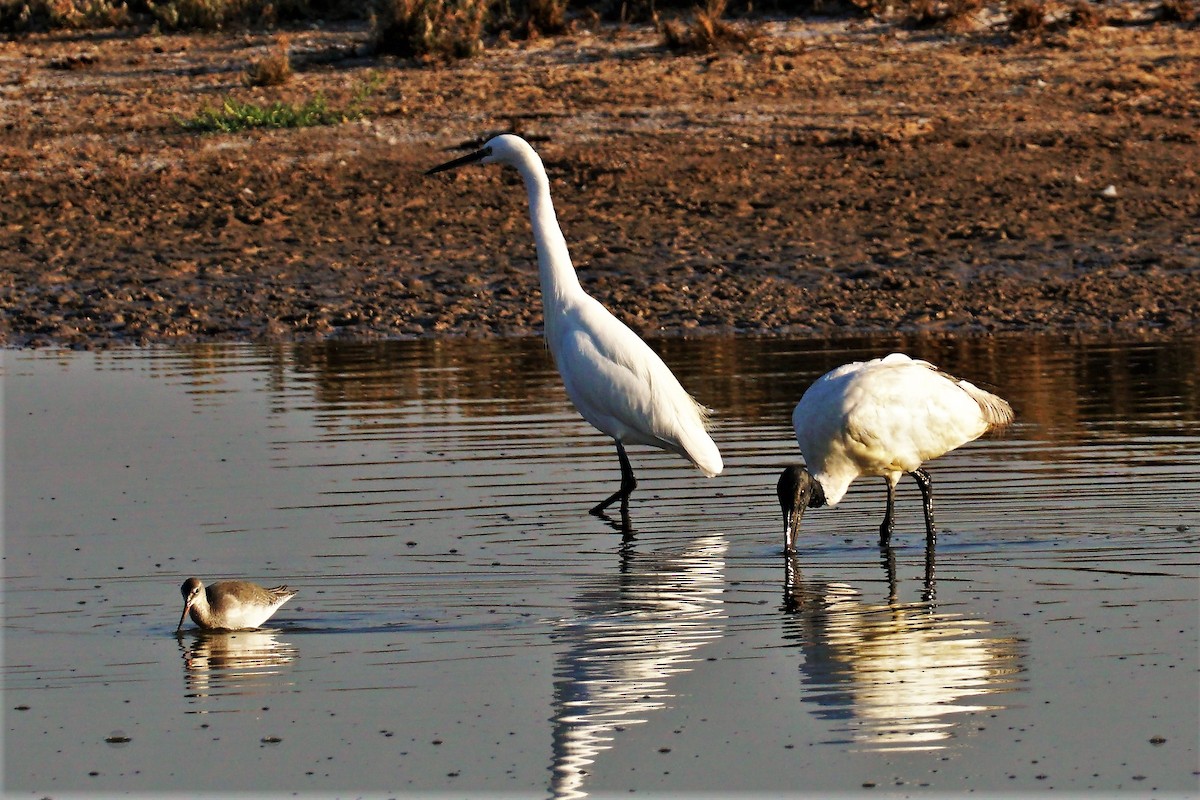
839, 178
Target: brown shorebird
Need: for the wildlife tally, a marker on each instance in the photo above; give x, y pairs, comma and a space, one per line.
231, 605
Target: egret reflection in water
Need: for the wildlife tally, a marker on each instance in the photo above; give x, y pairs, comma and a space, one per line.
634, 630
217, 663
896, 675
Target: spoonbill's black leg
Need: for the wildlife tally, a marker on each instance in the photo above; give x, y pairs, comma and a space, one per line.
628, 484
885, 529
926, 486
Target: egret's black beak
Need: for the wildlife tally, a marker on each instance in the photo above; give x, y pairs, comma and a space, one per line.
470, 158
797, 490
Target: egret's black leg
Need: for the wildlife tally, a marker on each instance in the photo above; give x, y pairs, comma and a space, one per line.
628, 484
926, 486
885, 529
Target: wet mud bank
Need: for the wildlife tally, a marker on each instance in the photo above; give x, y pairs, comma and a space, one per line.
836, 178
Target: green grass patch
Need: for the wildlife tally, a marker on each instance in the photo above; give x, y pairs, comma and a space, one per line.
234, 115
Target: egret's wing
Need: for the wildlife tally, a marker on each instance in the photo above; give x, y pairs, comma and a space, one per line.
622, 387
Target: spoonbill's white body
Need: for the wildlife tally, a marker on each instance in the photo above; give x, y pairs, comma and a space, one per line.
231, 605
615, 380
882, 417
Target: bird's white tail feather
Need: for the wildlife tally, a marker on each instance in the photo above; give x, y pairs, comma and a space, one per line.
699, 447
997, 413
707, 458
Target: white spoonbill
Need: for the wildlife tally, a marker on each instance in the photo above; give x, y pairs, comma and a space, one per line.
882, 417
231, 605
614, 379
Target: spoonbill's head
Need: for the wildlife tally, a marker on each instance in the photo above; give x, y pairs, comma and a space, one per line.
503, 149
190, 590
797, 490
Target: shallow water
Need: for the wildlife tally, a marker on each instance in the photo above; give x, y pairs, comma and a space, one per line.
464, 625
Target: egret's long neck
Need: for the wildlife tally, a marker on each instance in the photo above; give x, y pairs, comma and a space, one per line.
559, 281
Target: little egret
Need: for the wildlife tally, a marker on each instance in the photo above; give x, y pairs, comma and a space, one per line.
231, 605
882, 417
615, 380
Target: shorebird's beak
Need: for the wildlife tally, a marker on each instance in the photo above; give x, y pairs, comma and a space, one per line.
183, 616
471, 158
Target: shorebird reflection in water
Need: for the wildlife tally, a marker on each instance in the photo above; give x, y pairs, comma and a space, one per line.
236, 663
893, 676
634, 630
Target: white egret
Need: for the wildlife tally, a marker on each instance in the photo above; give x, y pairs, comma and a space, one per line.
615, 380
882, 417
231, 605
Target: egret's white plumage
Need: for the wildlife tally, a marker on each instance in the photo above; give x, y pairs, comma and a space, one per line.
615, 380
231, 605
882, 417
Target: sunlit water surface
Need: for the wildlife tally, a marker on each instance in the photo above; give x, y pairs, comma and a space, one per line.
463, 625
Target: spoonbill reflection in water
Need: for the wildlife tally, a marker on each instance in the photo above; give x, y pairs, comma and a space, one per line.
882, 417
895, 676
615, 380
